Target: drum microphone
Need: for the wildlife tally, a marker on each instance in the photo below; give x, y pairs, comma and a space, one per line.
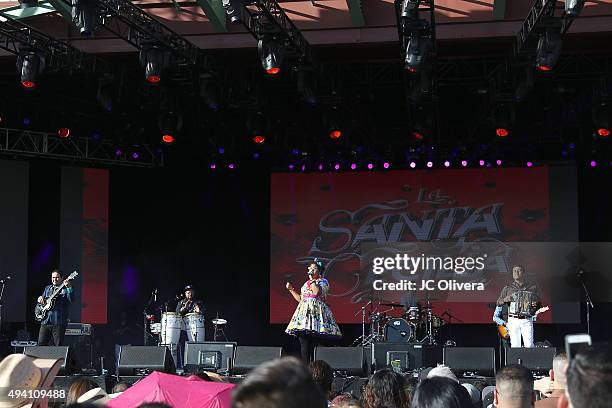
7, 278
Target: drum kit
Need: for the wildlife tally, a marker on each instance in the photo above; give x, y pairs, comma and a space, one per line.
417, 324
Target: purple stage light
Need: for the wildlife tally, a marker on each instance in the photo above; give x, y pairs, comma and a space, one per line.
303, 167
213, 166
429, 164
529, 164
412, 165
256, 155
446, 163
498, 162
481, 162
135, 155
386, 165
231, 166
221, 150
353, 166
464, 163
370, 166
291, 167
118, 152
593, 163
320, 167
337, 167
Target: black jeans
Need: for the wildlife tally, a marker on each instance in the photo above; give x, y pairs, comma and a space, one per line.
51, 331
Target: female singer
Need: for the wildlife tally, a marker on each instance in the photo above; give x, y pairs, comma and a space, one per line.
312, 319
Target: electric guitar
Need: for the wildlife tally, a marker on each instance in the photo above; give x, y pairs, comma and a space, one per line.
42, 309
503, 330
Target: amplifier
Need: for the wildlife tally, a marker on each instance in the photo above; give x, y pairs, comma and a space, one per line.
78, 329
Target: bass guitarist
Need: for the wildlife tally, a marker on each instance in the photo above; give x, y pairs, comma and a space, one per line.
53, 326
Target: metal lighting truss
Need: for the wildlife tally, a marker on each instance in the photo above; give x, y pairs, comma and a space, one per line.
25, 143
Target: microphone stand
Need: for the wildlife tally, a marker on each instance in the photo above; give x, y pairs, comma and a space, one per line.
144, 320
1, 295
589, 303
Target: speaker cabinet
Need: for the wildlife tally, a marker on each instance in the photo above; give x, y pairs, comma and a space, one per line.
69, 365
249, 357
477, 360
210, 356
347, 360
405, 356
141, 360
537, 359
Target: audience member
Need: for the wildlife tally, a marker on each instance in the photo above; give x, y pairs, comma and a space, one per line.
440, 392
120, 387
589, 379
345, 400
472, 392
385, 389
410, 386
557, 381
154, 405
514, 387
323, 375
78, 387
442, 371
281, 383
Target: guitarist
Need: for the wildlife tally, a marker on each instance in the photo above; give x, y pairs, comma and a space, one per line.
522, 300
53, 326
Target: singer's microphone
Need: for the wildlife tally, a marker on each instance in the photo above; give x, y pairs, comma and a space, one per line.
7, 278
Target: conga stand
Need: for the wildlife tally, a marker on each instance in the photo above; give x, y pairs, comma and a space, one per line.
218, 331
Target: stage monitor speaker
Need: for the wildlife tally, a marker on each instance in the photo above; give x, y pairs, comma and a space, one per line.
476, 360
249, 357
405, 356
142, 360
346, 360
537, 359
69, 365
210, 356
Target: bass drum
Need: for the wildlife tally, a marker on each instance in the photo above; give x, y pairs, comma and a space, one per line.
399, 331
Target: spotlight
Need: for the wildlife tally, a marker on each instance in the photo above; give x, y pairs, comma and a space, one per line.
153, 60
167, 139
30, 64
412, 165
257, 125
213, 166
502, 132
549, 49
481, 162
573, 7
135, 155
303, 167
593, 163
231, 166
529, 164
464, 163
291, 167
498, 162
417, 52
84, 16
446, 163
259, 139
503, 119
320, 167
604, 133
370, 166
337, 167
118, 152
63, 132
386, 165
353, 166
271, 53
601, 120
335, 134
429, 164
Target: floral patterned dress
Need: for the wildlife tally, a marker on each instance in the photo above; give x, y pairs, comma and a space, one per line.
312, 316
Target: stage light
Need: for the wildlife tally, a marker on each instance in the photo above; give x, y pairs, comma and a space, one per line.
603, 132
549, 49
502, 132
353, 166
118, 152
593, 163
153, 60
135, 155
573, 7
410, 9
337, 167
221, 150
429, 164
257, 126
417, 52
63, 132
335, 134
386, 165
529, 164
498, 162
464, 163
320, 167
412, 165
168, 139
170, 125
303, 167
85, 16
370, 166
259, 139
213, 166
446, 163
30, 64
418, 136
291, 167
231, 166
481, 162
602, 117
271, 53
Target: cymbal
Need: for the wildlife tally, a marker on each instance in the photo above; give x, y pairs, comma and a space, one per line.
392, 304
219, 321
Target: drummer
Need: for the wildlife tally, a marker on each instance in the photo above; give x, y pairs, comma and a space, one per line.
189, 304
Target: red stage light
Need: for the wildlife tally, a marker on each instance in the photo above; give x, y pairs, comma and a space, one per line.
154, 79
168, 139
502, 132
603, 132
258, 139
418, 135
28, 84
273, 71
412, 70
544, 68
63, 132
335, 134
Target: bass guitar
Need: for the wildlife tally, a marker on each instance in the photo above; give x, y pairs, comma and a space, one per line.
42, 309
503, 330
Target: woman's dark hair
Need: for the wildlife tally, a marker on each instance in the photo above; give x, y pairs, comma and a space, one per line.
441, 392
320, 265
79, 387
385, 389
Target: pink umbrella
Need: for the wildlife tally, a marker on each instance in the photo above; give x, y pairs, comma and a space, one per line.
178, 392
